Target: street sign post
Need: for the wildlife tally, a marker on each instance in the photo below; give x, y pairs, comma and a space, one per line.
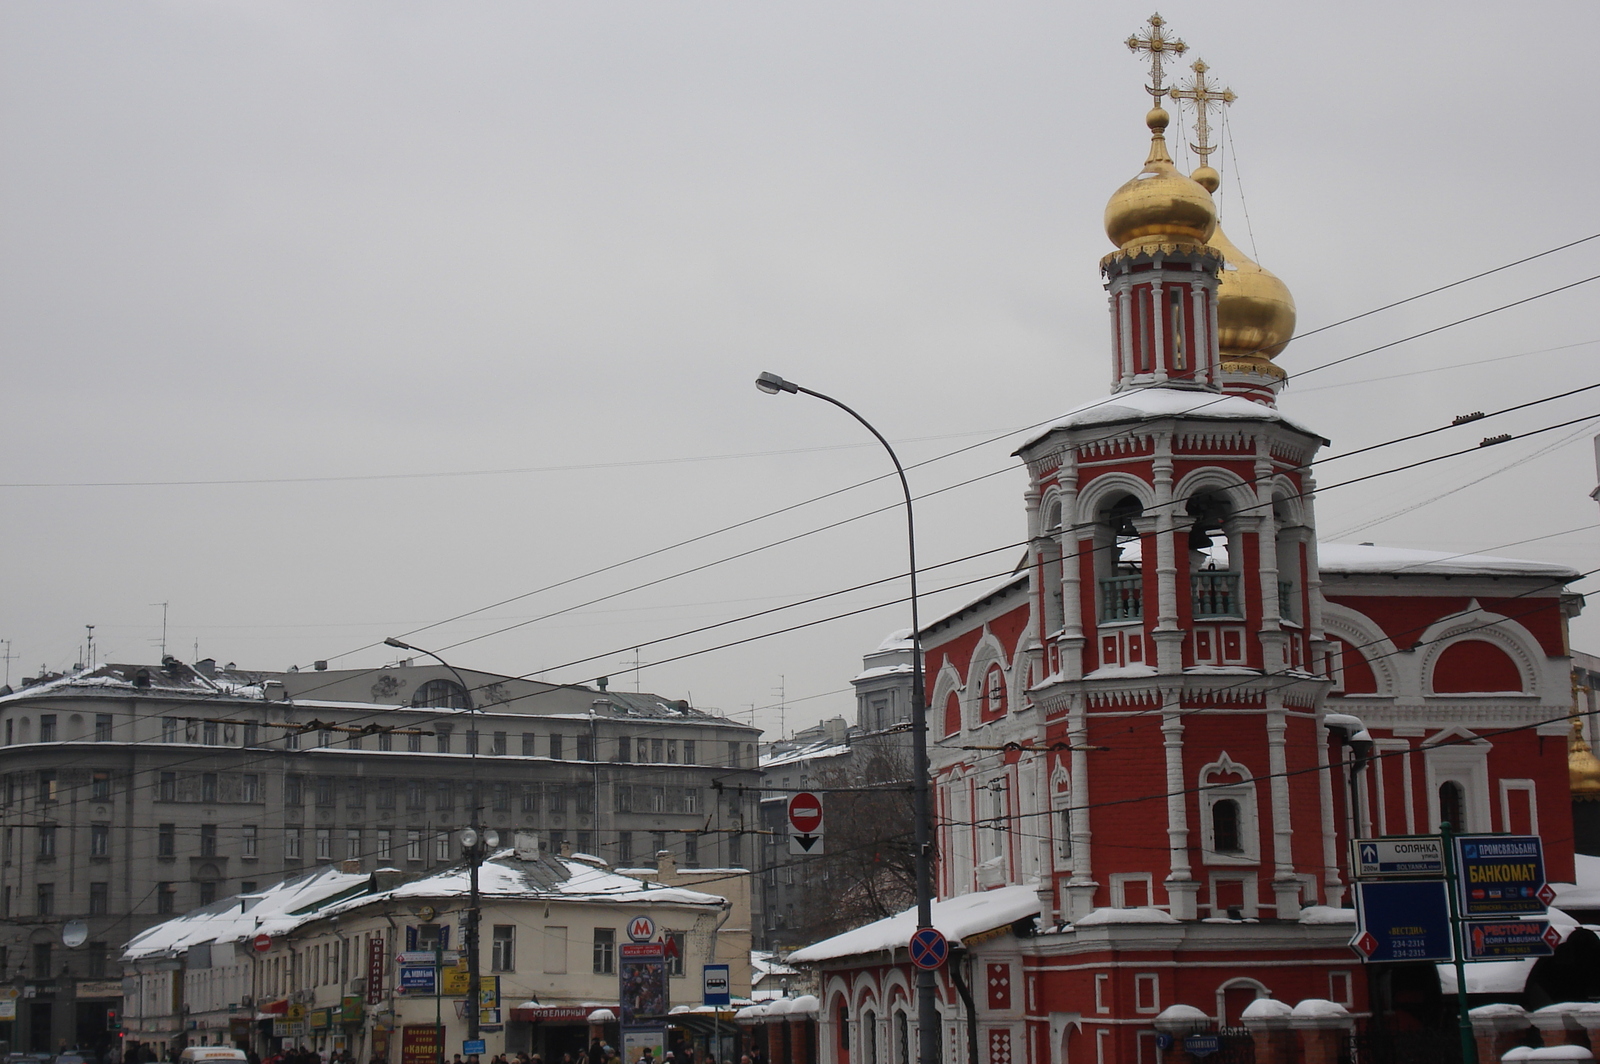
805, 823
714, 989
1500, 875
1410, 857
1402, 920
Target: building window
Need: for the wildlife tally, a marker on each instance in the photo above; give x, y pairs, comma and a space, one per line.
102, 727
733, 755
658, 841
624, 847
735, 850
47, 727
97, 960
658, 799
251, 842
291, 740
252, 734
47, 785
583, 799
99, 840
441, 846
47, 899
441, 694
691, 800
441, 739
355, 796
1453, 805
250, 788
386, 741
169, 729
166, 898
47, 841
208, 840
386, 794
585, 748
208, 892
100, 786
472, 741
41, 960
672, 751
688, 752
691, 850
529, 744
414, 845
658, 749
497, 744
530, 797
209, 731
623, 798
414, 742
99, 899
294, 790
324, 844
623, 753
444, 796
414, 799
208, 787
383, 847
675, 951
555, 747
502, 797
557, 795
503, 956
324, 791
166, 839
352, 844
291, 844
605, 948
324, 737
1225, 826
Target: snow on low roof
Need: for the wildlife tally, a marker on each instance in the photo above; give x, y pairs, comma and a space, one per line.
822, 748
506, 876
957, 917
1585, 893
279, 908
1147, 404
1363, 558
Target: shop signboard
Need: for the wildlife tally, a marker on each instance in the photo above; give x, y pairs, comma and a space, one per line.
635, 1040
455, 981
417, 980
642, 982
419, 1044
1493, 940
374, 970
321, 1019
1501, 875
350, 1009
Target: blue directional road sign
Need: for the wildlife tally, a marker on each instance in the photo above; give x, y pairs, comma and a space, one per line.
1402, 920
1501, 875
472, 1046
1493, 940
1408, 856
929, 949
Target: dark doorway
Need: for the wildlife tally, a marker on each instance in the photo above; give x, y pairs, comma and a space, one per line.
40, 1013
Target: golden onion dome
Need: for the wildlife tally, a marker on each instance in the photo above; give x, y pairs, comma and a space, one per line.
1255, 312
1160, 205
1583, 768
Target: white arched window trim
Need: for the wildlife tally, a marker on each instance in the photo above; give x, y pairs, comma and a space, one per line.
1244, 793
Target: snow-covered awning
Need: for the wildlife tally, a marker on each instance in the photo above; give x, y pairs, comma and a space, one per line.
957, 918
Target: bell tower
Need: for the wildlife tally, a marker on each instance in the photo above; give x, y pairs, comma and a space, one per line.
1174, 561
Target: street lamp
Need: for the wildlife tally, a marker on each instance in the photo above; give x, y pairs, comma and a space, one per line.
927, 1009
474, 845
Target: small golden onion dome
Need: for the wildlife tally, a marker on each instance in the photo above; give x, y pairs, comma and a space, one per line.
1160, 205
1583, 768
1255, 312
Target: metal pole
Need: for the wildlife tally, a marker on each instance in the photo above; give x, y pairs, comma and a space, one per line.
474, 852
922, 807
1469, 1045
438, 996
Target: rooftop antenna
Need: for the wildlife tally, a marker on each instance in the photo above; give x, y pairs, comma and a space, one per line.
163, 606
8, 656
89, 655
782, 714
636, 667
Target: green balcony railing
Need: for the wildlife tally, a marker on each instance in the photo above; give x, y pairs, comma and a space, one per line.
1122, 598
1217, 595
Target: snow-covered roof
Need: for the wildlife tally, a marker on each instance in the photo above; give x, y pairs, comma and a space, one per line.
1585, 893
822, 748
899, 639
765, 962
1148, 404
285, 906
957, 917
281, 907
1363, 558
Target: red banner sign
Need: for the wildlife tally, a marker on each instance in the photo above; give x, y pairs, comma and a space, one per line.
419, 1044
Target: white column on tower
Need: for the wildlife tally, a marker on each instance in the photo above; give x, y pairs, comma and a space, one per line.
1182, 890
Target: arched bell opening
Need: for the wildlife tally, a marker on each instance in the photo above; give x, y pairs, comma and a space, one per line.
1214, 557
1118, 562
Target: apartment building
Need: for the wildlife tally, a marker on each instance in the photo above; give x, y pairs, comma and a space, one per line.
130, 793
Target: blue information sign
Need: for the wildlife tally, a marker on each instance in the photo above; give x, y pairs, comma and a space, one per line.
1203, 1044
474, 1046
1500, 875
1491, 940
1403, 920
417, 980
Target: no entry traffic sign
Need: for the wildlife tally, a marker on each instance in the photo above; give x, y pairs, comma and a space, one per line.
929, 949
805, 823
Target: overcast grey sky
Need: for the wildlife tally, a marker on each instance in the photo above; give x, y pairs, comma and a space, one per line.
264, 243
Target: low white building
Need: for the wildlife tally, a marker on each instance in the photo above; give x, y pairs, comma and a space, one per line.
325, 974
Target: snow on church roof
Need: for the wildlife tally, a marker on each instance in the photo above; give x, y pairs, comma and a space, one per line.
1148, 404
1366, 558
957, 917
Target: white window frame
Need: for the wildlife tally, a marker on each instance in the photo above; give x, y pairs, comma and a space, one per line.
1528, 787
1244, 794
1119, 889
1150, 981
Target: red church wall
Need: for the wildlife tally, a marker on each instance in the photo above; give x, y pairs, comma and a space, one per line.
1403, 619
1359, 679
1540, 616
1301, 742
1474, 665
1129, 837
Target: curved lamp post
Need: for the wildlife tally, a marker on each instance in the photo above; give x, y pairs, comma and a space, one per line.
927, 1009
473, 844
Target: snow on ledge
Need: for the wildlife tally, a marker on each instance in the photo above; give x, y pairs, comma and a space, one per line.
1326, 914
1140, 915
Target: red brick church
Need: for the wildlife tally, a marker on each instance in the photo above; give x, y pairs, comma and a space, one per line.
1153, 744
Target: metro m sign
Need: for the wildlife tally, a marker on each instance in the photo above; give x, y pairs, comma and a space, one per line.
805, 823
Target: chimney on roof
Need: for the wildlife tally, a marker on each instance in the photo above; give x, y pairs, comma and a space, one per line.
566, 848
525, 845
666, 867
385, 879
320, 666
206, 667
141, 679
274, 691
352, 867
603, 682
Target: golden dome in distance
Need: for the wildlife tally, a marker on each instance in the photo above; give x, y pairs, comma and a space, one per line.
1583, 768
1255, 311
1160, 205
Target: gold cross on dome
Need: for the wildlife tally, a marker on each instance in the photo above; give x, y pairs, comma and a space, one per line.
1205, 97
1159, 42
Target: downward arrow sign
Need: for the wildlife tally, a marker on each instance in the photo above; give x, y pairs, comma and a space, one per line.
805, 842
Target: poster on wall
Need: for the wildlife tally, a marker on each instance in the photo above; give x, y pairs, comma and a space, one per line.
420, 1044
